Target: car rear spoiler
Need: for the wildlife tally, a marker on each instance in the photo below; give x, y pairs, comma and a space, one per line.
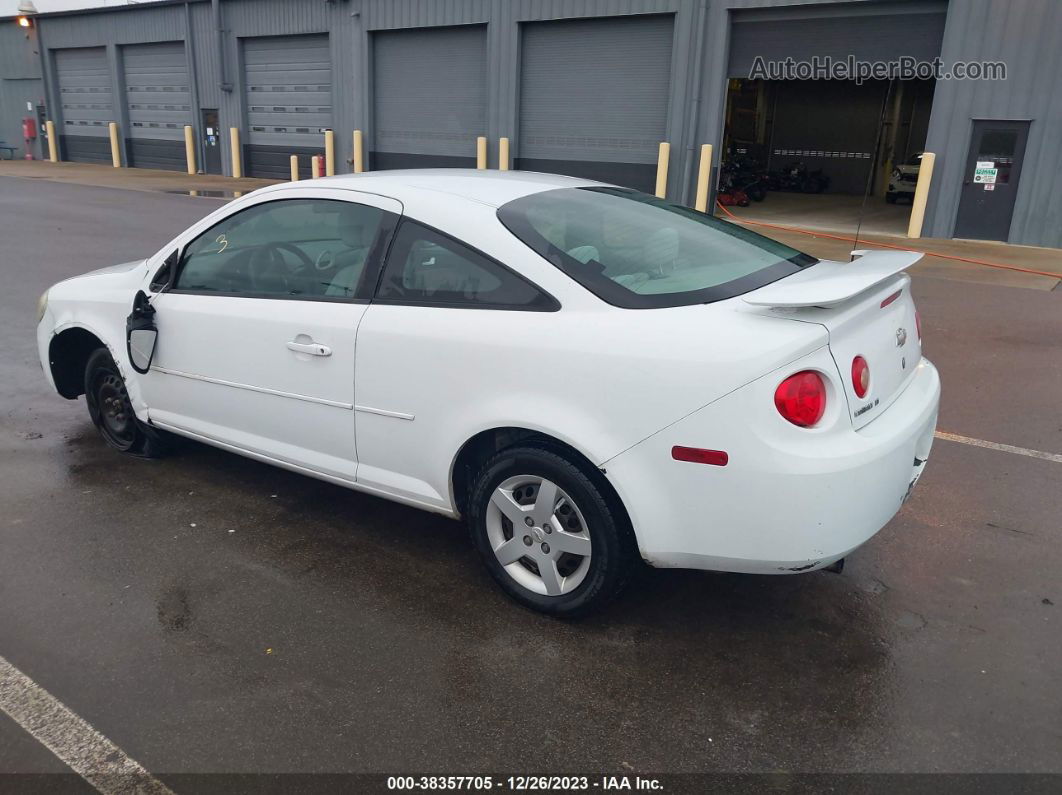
829, 283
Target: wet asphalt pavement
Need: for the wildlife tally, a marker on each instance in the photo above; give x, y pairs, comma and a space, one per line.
208, 613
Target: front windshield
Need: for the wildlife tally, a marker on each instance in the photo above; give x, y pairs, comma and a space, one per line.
637, 251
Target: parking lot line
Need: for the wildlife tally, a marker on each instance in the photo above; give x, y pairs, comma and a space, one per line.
91, 755
1006, 448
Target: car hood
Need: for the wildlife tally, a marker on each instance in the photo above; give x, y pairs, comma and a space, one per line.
123, 267
100, 281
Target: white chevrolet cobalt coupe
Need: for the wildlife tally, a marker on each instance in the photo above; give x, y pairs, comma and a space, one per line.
588, 374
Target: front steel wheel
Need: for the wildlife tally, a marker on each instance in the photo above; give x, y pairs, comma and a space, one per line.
111, 410
551, 532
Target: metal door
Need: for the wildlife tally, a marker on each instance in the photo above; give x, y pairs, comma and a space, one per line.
211, 141
990, 179
288, 85
594, 97
430, 96
86, 99
158, 95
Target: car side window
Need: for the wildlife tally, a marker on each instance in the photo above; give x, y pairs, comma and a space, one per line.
290, 248
427, 267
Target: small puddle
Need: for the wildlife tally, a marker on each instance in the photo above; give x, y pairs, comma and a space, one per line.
209, 194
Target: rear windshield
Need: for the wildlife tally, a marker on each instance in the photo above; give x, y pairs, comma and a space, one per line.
637, 251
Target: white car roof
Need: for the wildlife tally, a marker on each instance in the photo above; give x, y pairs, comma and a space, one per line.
491, 187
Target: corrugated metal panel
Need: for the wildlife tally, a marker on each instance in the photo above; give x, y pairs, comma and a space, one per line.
18, 56
430, 90
157, 90
528, 10
288, 84
1024, 34
596, 89
878, 37
123, 25
391, 14
85, 91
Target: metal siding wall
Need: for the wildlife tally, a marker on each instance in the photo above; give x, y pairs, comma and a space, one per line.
430, 94
18, 52
14, 94
595, 90
1025, 35
395, 14
1022, 32
126, 25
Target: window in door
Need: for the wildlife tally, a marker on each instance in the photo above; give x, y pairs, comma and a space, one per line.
290, 248
428, 267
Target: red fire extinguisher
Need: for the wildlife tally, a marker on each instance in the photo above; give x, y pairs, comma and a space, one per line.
29, 133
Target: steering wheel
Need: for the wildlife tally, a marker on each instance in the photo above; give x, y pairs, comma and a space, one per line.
266, 262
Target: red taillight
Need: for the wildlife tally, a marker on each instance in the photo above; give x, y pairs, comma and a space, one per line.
860, 376
918, 325
696, 455
801, 398
891, 298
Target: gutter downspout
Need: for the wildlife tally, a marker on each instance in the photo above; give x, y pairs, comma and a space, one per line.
49, 93
695, 106
193, 85
224, 85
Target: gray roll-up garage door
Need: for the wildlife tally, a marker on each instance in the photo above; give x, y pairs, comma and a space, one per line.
867, 32
159, 99
288, 83
86, 98
430, 96
594, 97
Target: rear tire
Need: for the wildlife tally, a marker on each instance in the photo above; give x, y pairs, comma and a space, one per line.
554, 539
112, 412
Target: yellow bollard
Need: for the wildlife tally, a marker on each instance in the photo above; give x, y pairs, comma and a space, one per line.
359, 153
661, 169
503, 154
294, 168
704, 173
53, 144
330, 153
237, 154
116, 153
481, 152
189, 148
921, 194
315, 167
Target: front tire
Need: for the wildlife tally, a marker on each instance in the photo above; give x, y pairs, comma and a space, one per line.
550, 534
112, 412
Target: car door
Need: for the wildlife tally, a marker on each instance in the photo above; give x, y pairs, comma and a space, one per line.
256, 331
442, 316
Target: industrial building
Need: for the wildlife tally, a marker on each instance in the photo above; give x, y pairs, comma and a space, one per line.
584, 87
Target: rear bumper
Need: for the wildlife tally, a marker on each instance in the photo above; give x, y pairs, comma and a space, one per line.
789, 499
